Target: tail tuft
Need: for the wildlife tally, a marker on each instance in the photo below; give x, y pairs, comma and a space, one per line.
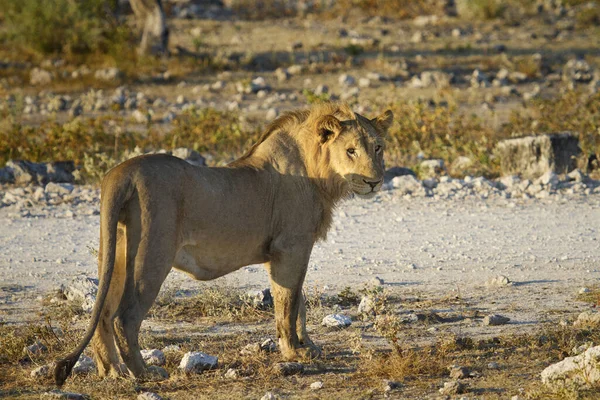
63, 369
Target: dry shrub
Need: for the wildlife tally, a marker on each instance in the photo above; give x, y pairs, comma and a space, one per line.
407, 364
391, 8
223, 303
573, 111
440, 132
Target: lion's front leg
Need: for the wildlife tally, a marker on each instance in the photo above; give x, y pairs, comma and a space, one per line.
310, 349
287, 270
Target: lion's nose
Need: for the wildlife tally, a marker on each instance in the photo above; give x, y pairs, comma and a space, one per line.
372, 183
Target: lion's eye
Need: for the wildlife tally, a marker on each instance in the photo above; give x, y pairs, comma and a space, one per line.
378, 149
351, 152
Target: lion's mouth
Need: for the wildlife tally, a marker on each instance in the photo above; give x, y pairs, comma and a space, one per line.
365, 191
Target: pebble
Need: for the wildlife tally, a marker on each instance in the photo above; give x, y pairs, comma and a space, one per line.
148, 396
154, 357
495, 319
195, 362
452, 387
316, 385
288, 368
336, 321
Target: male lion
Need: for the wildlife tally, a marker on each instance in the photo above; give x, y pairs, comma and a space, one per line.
270, 206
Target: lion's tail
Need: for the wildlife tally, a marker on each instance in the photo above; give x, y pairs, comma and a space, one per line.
115, 193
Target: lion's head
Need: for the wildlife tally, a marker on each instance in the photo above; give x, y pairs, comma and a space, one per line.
340, 149
354, 148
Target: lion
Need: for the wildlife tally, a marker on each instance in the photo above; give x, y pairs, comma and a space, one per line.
269, 206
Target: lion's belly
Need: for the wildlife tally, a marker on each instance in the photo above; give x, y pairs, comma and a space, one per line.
209, 262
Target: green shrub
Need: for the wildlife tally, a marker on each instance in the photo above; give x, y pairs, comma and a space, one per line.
68, 27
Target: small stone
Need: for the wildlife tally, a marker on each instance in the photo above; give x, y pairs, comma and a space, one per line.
346, 80
336, 321
269, 396
140, 117
452, 387
195, 362
495, 319
493, 365
172, 348
148, 396
498, 281
388, 385
268, 346
35, 349
588, 319
107, 74
316, 385
153, 357
272, 113
576, 175
40, 76
232, 374
261, 299
432, 166
282, 74
59, 188
44, 371
250, 349
366, 306
458, 372
84, 365
82, 289
288, 368
59, 394
364, 82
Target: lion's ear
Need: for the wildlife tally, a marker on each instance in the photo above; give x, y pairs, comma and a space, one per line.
383, 122
328, 127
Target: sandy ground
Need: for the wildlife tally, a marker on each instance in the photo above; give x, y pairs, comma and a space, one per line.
419, 247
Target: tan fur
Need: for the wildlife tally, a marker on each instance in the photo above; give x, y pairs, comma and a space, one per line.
270, 206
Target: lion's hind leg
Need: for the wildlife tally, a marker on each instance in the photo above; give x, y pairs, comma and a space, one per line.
150, 254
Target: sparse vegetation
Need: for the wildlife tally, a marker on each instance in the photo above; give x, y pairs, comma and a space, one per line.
68, 28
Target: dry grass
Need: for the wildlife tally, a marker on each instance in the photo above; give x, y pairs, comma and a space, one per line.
217, 323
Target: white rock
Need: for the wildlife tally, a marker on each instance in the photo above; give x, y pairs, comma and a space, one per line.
84, 365
141, 117
346, 80
59, 394
154, 357
269, 396
196, 361
588, 319
549, 178
35, 349
406, 184
583, 369
40, 76
432, 166
82, 289
272, 113
59, 188
107, 74
316, 385
366, 306
498, 281
43, 371
584, 290
336, 321
576, 175
231, 373
364, 82
148, 396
